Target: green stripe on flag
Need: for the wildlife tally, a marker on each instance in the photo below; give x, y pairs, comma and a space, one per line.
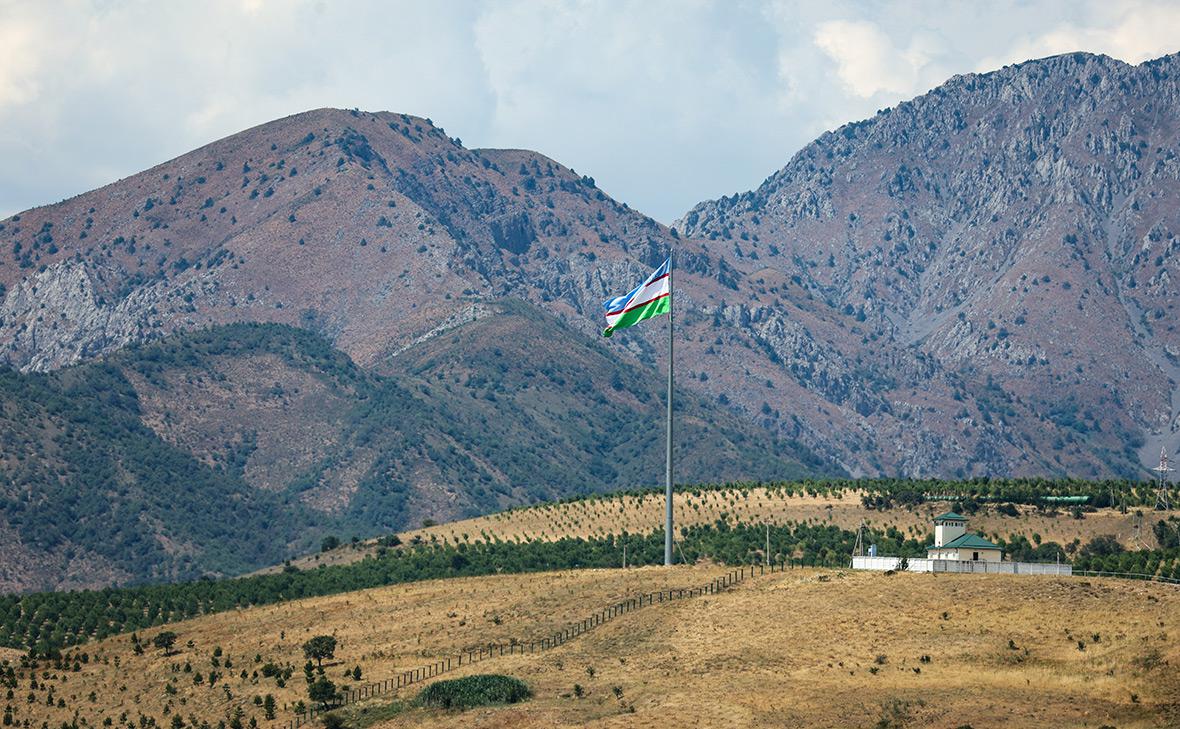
630, 318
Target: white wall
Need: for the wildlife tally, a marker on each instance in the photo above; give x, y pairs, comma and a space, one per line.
965, 554
950, 565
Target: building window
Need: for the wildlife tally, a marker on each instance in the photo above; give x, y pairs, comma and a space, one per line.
975, 556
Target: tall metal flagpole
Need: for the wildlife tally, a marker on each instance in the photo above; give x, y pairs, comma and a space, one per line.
668, 474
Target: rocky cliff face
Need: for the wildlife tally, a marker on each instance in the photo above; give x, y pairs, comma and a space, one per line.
975, 282
1000, 251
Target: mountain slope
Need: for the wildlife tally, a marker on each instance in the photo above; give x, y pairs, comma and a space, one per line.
224, 450
90, 496
366, 227
994, 257
975, 283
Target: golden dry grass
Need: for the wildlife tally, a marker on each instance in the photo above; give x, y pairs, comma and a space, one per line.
643, 514
384, 630
793, 649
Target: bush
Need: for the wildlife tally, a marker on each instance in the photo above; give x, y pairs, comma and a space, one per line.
471, 691
334, 721
1007, 509
1102, 546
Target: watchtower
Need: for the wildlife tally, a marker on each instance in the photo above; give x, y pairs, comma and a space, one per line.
948, 527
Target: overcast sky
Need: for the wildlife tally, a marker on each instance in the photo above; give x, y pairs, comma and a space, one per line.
664, 103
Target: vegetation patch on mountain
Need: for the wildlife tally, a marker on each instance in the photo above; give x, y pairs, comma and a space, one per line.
471, 691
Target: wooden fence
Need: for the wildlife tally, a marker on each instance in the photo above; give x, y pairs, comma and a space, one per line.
495, 650
574, 630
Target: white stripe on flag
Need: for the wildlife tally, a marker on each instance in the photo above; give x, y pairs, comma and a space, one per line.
645, 294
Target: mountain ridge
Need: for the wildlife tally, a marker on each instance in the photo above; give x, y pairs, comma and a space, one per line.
975, 282
795, 202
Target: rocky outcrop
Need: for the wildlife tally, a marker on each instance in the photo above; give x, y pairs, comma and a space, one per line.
1013, 227
976, 282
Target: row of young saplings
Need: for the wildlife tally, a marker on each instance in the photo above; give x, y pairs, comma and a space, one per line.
514, 647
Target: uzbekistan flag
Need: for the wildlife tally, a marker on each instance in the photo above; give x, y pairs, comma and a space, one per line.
651, 298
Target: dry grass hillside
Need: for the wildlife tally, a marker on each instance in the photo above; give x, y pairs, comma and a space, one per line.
801, 648
640, 514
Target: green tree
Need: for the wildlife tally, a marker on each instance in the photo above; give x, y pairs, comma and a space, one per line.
319, 648
165, 640
268, 706
323, 691
1104, 545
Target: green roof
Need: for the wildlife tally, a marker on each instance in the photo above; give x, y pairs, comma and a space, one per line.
968, 541
950, 516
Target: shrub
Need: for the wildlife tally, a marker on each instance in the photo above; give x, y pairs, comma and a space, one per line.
471, 691
334, 721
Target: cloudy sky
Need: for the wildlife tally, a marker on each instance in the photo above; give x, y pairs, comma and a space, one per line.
664, 103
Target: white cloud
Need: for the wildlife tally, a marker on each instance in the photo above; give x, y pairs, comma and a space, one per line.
866, 60
19, 61
664, 102
1131, 32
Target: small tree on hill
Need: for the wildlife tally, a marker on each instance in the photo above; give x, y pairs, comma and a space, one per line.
165, 640
323, 691
319, 648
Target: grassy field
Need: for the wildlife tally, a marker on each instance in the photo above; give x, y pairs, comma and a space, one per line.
641, 514
802, 648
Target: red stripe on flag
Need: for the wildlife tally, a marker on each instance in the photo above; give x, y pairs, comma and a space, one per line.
636, 306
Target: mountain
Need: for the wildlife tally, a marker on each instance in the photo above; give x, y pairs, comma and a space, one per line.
977, 281
973, 283
219, 451
369, 228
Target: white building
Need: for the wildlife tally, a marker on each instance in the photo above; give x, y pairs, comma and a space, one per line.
952, 541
